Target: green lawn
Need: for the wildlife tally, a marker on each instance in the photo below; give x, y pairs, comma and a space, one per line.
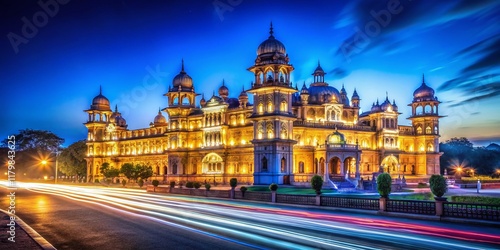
289, 190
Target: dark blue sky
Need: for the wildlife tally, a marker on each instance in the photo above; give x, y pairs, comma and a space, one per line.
133, 49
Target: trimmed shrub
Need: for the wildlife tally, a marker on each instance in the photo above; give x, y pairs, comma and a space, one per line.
438, 185
172, 184
233, 182
140, 182
384, 183
124, 182
155, 183
189, 184
207, 187
273, 187
317, 183
197, 185
243, 189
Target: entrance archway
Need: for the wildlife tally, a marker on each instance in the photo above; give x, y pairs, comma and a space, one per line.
334, 165
349, 166
390, 164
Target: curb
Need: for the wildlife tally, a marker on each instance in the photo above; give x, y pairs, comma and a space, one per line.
42, 242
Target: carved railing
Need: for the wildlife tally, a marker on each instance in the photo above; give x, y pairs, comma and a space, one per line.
255, 196
348, 202
411, 206
332, 125
296, 199
471, 211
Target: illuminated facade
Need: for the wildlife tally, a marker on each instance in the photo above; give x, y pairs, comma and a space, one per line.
285, 135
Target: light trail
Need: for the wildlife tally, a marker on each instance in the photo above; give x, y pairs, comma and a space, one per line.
262, 226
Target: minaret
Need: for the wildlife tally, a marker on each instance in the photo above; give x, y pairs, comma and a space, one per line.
425, 121
272, 114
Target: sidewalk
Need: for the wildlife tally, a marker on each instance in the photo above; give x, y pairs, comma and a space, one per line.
25, 236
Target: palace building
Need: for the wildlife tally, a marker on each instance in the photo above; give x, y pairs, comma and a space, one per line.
271, 133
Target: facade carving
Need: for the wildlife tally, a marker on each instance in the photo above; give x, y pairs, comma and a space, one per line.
285, 136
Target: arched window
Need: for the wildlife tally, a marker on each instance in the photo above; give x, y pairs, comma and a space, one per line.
430, 147
301, 167
428, 130
212, 163
419, 130
283, 106
269, 107
185, 100
260, 108
176, 100
435, 130
264, 164
157, 169
283, 164
174, 168
165, 170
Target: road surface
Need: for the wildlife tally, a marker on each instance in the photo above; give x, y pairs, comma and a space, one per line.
72, 217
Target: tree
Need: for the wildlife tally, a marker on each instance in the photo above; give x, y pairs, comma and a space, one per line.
317, 183
273, 187
42, 140
33, 146
128, 170
155, 184
384, 183
72, 160
233, 182
108, 171
144, 172
438, 185
459, 152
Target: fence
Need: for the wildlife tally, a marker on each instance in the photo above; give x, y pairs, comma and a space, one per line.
471, 211
350, 202
449, 209
412, 206
296, 199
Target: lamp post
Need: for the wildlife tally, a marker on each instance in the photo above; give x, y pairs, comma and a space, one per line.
44, 162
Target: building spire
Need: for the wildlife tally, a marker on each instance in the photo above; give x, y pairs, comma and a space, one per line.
423, 79
116, 108
271, 32
319, 64
182, 70
100, 89
159, 110
387, 96
222, 81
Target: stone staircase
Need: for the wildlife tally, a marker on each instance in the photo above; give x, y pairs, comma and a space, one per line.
343, 185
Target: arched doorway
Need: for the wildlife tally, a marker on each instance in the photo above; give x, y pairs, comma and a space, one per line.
212, 163
349, 166
390, 164
334, 165
316, 166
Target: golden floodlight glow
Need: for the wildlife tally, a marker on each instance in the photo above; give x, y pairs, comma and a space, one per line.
44, 162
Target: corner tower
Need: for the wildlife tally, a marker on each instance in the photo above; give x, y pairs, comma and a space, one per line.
425, 121
272, 114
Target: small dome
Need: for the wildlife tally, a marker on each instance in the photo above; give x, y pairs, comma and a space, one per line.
243, 94
120, 121
271, 45
323, 94
386, 105
115, 114
182, 79
100, 102
215, 100
336, 138
223, 90
160, 118
375, 107
423, 92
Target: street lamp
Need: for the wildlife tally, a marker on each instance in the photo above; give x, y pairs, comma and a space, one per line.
44, 162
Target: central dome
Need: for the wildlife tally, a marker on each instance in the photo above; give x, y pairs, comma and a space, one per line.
271, 45
319, 94
183, 79
423, 92
100, 102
